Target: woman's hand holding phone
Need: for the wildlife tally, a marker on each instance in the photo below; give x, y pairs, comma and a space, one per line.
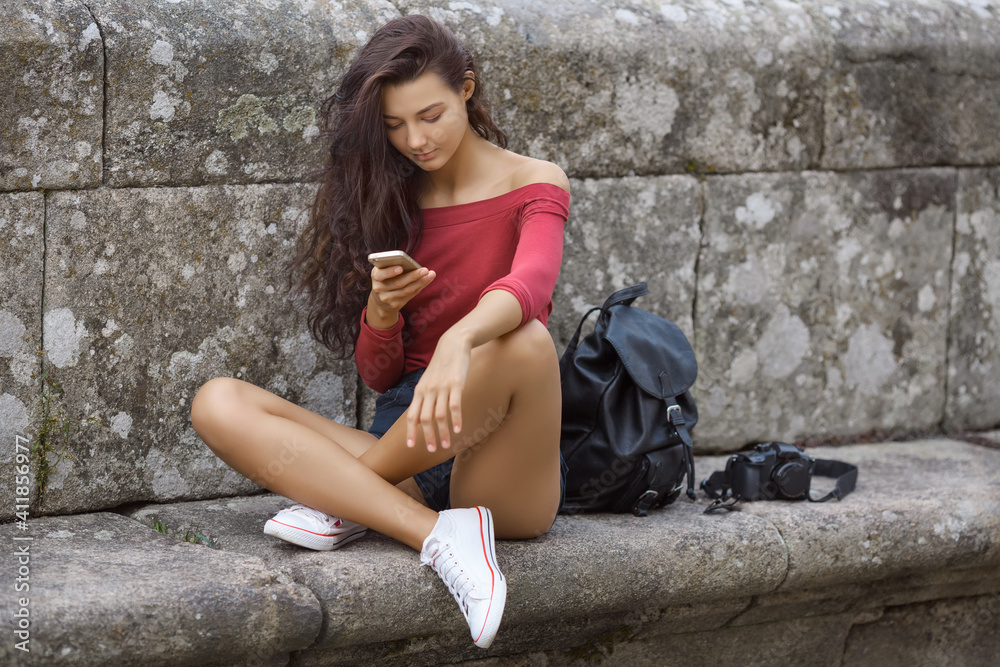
392, 288
436, 410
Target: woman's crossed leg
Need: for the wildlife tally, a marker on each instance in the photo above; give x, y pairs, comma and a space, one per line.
507, 455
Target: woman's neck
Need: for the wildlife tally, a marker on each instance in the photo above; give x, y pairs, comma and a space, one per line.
471, 167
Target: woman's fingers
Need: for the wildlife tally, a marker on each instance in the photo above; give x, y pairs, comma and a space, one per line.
411, 421
420, 420
393, 279
455, 405
436, 414
382, 275
395, 289
441, 419
427, 424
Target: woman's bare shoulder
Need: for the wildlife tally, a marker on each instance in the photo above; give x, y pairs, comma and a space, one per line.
530, 170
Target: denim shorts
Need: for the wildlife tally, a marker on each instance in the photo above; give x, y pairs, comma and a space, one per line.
435, 483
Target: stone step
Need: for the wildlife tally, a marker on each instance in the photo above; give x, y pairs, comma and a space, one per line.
773, 583
104, 589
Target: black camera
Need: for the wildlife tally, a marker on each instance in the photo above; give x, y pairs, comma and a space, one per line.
772, 470
775, 470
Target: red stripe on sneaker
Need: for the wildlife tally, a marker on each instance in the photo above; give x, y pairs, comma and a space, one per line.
486, 555
308, 531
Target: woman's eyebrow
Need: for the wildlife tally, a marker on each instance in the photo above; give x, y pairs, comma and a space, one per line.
424, 110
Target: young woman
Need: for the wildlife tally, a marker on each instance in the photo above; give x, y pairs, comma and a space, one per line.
465, 440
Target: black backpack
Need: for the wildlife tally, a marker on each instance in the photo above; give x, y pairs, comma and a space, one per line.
627, 410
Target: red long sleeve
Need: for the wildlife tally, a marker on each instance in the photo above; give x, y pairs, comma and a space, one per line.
379, 354
512, 242
535, 268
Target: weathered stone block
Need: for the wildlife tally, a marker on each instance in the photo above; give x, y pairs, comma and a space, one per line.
920, 508
948, 632
808, 641
910, 84
990, 438
822, 304
224, 92
51, 72
646, 87
932, 583
104, 589
587, 576
150, 293
366, 406
620, 232
21, 248
974, 350
812, 641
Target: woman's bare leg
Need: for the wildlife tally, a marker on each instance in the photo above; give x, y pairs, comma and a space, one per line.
508, 452
516, 472
253, 432
250, 395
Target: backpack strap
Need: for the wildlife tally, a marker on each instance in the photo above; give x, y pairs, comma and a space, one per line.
623, 296
626, 296
676, 417
575, 340
658, 483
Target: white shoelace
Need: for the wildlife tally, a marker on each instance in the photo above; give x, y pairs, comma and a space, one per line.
322, 517
453, 576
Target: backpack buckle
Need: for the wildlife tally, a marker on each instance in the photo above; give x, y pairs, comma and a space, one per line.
644, 502
674, 415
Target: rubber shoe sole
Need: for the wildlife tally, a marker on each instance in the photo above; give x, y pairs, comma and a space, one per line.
312, 540
499, 599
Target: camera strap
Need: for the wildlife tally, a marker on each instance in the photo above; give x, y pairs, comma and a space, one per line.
846, 474
719, 488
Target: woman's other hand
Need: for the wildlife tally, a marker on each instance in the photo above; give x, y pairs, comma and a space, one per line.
436, 410
391, 290
437, 399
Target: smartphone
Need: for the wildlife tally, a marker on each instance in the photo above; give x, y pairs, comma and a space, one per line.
393, 258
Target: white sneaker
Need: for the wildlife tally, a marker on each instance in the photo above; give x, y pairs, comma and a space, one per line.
313, 529
460, 549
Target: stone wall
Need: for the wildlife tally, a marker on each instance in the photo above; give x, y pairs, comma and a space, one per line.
811, 189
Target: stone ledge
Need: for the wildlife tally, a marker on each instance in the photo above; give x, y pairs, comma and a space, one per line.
103, 589
593, 584
930, 633
919, 506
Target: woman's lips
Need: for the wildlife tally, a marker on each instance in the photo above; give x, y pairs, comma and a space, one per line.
425, 156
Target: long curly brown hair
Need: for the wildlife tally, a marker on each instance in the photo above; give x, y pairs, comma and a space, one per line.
368, 195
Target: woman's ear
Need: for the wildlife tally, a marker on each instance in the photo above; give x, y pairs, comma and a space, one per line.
468, 85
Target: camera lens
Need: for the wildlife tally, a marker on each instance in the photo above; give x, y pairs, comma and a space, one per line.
792, 479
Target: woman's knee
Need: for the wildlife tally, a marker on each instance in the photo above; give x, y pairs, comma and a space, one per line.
213, 402
532, 344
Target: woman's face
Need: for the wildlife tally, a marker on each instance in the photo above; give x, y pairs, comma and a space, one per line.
426, 120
